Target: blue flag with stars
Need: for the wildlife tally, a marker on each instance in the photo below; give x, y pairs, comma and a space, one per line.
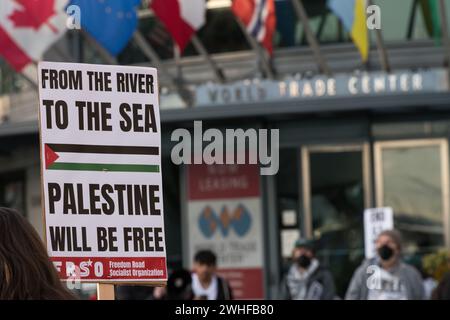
110, 22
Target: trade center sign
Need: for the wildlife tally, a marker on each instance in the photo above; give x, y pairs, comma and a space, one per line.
339, 86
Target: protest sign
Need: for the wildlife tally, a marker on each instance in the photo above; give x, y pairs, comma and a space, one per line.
376, 220
100, 136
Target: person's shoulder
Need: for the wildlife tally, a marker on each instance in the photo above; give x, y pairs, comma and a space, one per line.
410, 269
224, 289
366, 263
364, 268
222, 281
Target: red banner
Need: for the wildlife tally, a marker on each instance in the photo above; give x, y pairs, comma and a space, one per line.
110, 269
223, 181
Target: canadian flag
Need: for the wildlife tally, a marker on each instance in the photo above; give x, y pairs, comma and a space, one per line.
27, 29
182, 18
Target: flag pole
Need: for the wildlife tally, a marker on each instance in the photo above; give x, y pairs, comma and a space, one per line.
198, 45
445, 35
151, 54
262, 54
203, 52
312, 40
382, 52
412, 18
102, 51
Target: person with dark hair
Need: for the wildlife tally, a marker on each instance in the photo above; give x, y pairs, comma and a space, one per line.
386, 277
206, 285
26, 272
307, 279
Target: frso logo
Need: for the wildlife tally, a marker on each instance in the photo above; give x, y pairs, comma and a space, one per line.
238, 219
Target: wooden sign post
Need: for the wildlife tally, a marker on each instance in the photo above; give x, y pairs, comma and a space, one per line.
105, 291
100, 135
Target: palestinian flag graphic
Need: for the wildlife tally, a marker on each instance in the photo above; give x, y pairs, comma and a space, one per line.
75, 157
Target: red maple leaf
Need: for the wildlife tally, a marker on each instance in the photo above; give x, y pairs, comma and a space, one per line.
34, 14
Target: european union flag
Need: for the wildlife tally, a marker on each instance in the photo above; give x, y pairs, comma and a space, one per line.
110, 22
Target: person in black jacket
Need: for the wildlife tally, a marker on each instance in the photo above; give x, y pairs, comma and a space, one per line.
206, 285
306, 278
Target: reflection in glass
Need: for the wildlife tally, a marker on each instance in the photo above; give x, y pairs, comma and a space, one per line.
412, 186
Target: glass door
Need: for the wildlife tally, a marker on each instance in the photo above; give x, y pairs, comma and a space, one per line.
336, 190
412, 178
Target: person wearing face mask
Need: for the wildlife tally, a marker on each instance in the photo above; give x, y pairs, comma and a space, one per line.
306, 278
386, 277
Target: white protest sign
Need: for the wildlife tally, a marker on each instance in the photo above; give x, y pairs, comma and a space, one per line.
100, 137
376, 220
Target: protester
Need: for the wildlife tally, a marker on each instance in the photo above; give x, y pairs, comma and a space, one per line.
26, 272
442, 291
206, 285
386, 277
307, 279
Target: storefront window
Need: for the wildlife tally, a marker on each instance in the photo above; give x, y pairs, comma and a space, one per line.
337, 205
413, 185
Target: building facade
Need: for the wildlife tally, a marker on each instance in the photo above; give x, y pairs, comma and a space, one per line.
358, 138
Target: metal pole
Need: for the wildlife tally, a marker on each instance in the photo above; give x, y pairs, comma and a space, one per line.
202, 50
312, 40
257, 49
177, 59
382, 52
151, 54
77, 47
